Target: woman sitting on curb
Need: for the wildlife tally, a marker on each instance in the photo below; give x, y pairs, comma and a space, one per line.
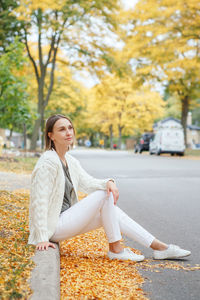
55, 213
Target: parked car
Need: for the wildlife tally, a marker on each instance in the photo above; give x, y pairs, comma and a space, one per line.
143, 144
195, 146
168, 140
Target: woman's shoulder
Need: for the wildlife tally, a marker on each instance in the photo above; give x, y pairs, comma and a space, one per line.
48, 158
71, 158
73, 161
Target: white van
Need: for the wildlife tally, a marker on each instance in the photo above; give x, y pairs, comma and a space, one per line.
168, 140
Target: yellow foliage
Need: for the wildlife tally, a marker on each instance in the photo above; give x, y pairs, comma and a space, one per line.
164, 40
115, 102
28, 6
86, 273
16, 263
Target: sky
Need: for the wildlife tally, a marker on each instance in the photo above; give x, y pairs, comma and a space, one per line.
84, 77
129, 3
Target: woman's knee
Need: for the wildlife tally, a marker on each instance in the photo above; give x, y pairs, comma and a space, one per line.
100, 194
119, 212
99, 197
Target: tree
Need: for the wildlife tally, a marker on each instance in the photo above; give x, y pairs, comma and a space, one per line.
14, 108
9, 25
162, 43
120, 109
67, 30
69, 97
173, 107
196, 114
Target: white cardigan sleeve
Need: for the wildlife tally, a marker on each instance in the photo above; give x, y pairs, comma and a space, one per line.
88, 184
42, 183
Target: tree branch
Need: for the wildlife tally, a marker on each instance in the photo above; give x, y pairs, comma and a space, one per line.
51, 75
55, 40
50, 50
39, 42
31, 57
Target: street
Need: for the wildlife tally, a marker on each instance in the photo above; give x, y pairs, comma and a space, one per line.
162, 194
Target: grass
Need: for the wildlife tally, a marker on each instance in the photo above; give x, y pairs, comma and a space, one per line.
191, 152
18, 164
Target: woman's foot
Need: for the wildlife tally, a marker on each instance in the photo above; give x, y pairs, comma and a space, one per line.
158, 245
172, 252
116, 247
126, 254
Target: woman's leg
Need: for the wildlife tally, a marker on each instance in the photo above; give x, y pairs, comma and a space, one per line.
131, 229
82, 217
98, 210
137, 233
87, 215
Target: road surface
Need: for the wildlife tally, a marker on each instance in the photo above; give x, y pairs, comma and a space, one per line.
163, 195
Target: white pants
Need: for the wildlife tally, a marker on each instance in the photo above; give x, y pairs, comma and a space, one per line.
95, 211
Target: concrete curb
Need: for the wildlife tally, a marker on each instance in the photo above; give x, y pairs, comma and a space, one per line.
45, 278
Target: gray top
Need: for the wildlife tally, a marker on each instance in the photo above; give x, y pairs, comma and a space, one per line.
68, 189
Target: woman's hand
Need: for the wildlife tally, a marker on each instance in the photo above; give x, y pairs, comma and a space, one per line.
45, 245
112, 188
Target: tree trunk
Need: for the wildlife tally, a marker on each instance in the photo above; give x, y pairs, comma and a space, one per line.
35, 133
10, 136
41, 74
42, 130
40, 111
24, 136
184, 113
120, 137
91, 138
105, 141
111, 137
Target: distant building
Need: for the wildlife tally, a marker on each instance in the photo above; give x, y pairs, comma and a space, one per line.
167, 123
193, 131
17, 139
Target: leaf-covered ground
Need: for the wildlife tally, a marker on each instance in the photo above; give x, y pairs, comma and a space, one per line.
15, 258
86, 272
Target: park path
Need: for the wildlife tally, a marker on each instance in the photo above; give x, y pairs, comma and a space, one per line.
11, 181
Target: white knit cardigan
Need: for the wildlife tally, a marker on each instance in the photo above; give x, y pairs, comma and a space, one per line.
47, 192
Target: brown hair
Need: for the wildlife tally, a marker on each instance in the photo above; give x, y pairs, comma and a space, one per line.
49, 144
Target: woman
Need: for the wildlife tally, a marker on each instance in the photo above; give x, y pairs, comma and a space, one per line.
55, 213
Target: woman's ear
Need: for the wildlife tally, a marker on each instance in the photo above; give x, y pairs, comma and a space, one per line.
49, 135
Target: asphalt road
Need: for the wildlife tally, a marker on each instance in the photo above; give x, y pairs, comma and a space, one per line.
163, 195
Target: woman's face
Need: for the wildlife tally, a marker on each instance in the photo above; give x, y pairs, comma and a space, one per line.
63, 134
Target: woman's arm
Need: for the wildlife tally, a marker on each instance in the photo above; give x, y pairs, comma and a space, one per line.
88, 183
41, 189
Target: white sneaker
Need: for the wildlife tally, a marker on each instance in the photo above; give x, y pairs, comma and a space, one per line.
172, 252
127, 254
